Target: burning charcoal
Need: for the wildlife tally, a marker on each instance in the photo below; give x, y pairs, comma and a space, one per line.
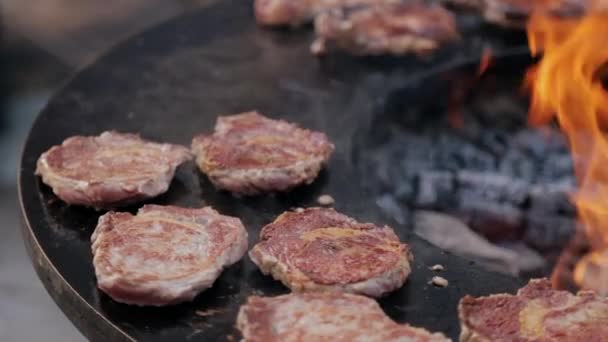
495, 141
454, 153
540, 142
553, 198
516, 164
477, 159
434, 188
546, 231
495, 221
557, 166
492, 186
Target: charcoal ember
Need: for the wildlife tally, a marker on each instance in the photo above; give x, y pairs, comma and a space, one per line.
548, 231
557, 166
455, 153
492, 187
435, 189
540, 142
495, 141
553, 198
517, 164
495, 221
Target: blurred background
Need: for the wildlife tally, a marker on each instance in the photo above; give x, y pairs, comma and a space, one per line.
42, 44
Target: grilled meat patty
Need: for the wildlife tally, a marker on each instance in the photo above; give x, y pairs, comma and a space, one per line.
251, 154
338, 317
109, 170
298, 12
396, 29
515, 13
536, 313
164, 254
319, 249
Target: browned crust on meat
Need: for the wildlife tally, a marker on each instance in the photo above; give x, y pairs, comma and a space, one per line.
298, 12
110, 170
319, 249
397, 29
515, 13
536, 313
250, 154
164, 254
318, 316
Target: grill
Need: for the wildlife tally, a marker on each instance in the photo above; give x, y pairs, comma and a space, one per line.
171, 82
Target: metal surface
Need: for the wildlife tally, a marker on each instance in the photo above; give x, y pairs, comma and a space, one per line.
169, 84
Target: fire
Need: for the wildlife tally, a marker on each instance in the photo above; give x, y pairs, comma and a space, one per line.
486, 61
567, 84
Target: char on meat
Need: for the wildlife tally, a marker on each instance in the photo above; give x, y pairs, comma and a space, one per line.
164, 254
319, 249
251, 154
109, 170
536, 313
319, 316
298, 12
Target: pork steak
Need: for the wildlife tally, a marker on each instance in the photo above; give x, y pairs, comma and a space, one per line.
164, 254
515, 13
336, 317
319, 249
396, 29
109, 170
298, 12
537, 313
249, 154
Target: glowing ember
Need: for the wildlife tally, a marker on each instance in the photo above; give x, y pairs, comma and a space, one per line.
567, 83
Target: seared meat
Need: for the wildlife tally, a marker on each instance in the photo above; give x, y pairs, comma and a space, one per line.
164, 254
109, 170
337, 317
319, 249
536, 313
385, 29
297, 12
251, 154
515, 13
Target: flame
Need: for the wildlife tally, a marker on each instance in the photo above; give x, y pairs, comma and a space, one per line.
567, 84
464, 86
486, 61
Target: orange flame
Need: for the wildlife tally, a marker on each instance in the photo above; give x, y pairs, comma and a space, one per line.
486, 61
567, 84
